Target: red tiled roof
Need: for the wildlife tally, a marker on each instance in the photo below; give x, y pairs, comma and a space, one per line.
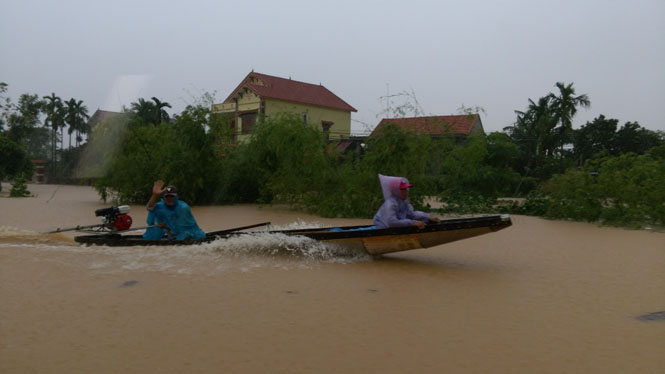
289, 90
433, 125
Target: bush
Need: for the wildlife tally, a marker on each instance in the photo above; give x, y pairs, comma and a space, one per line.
624, 191
14, 160
181, 154
19, 187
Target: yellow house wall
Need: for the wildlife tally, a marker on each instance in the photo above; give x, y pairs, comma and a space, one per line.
315, 115
341, 119
248, 102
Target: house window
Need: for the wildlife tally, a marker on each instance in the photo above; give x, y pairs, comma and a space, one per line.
248, 121
325, 127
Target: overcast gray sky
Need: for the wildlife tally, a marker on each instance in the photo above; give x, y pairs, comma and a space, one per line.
492, 54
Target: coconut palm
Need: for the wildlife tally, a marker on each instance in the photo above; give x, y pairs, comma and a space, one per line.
55, 118
564, 107
84, 129
144, 110
160, 113
533, 129
77, 115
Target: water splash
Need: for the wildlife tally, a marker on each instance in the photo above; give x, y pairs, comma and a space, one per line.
244, 252
13, 235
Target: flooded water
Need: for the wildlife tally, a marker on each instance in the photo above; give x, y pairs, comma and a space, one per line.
539, 297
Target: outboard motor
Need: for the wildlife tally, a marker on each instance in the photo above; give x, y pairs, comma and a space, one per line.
115, 217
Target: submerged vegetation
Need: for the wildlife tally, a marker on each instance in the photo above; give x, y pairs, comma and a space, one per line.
601, 172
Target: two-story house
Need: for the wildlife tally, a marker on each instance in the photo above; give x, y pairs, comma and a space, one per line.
266, 95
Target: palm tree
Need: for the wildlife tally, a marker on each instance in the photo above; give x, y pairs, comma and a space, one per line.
160, 113
534, 130
145, 110
77, 115
84, 128
564, 107
54, 111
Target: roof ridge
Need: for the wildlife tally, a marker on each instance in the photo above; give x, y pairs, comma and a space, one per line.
290, 80
434, 116
291, 90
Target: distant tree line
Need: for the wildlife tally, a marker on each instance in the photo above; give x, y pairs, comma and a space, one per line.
598, 172
33, 128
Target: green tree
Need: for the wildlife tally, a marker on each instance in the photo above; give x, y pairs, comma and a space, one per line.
160, 113
14, 160
151, 112
55, 119
76, 118
631, 137
595, 139
564, 107
534, 133
19, 187
24, 118
624, 190
181, 153
145, 110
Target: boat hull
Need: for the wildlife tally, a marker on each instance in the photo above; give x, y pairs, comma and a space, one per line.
357, 238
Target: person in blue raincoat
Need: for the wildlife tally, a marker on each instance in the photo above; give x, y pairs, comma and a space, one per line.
396, 211
171, 216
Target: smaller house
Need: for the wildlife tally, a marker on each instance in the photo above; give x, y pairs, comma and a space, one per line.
459, 126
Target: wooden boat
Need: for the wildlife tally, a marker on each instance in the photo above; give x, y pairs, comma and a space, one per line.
364, 238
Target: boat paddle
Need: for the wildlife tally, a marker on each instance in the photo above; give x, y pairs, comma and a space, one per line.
228, 231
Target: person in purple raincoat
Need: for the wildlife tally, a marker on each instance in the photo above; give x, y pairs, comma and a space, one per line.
396, 211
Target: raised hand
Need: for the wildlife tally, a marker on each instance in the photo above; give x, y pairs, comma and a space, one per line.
157, 187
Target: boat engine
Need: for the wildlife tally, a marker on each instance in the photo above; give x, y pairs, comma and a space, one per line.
115, 217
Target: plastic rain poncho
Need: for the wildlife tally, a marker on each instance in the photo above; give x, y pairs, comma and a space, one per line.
395, 211
178, 217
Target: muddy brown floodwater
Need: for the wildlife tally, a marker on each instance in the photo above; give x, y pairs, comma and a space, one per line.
539, 297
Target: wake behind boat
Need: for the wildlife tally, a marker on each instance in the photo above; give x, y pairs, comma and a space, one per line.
358, 238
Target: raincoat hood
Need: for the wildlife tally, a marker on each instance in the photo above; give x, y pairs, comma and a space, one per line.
390, 186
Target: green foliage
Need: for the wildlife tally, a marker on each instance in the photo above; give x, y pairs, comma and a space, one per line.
625, 190
600, 138
535, 204
633, 138
287, 158
13, 159
19, 187
573, 195
467, 203
543, 129
181, 154
151, 112
76, 117
24, 117
286, 161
